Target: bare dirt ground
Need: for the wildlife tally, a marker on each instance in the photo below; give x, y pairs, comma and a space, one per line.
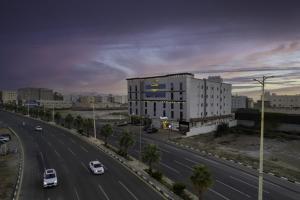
281, 156
8, 168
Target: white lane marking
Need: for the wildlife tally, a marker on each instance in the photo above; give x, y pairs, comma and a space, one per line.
192, 161
161, 149
233, 188
83, 165
171, 168
41, 154
49, 144
208, 160
180, 163
84, 149
253, 186
57, 153
128, 190
103, 192
77, 196
217, 193
71, 151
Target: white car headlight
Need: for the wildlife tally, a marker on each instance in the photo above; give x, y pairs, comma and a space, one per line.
55, 181
45, 183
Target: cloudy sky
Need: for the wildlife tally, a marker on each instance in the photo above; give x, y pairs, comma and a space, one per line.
93, 46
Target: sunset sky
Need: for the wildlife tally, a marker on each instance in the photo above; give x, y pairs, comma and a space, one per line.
93, 46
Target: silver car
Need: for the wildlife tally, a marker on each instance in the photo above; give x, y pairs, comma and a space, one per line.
96, 167
50, 178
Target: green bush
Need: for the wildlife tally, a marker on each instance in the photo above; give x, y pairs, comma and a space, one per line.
178, 188
157, 175
222, 129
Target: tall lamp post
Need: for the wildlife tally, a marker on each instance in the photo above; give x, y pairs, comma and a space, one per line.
94, 117
261, 149
53, 113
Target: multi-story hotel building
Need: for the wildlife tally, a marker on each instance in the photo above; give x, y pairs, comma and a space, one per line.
181, 98
9, 96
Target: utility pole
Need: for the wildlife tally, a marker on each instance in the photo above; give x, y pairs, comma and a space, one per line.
53, 112
261, 149
94, 119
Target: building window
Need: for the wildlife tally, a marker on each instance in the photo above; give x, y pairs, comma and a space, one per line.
136, 111
130, 111
181, 116
201, 104
172, 86
130, 96
130, 103
172, 95
172, 114
135, 88
154, 108
146, 111
172, 105
180, 93
145, 103
164, 105
130, 88
136, 103
181, 106
180, 86
164, 113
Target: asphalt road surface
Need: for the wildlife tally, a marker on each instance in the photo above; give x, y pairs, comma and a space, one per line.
55, 148
231, 181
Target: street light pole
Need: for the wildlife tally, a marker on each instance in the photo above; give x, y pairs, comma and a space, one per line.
94, 120
261, 149
53, 113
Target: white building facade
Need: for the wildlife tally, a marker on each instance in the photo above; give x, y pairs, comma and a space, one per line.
181, 98
9, 96
283, 101
241, 102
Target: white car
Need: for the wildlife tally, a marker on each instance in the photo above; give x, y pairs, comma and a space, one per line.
38, 128
96, 167
50, 178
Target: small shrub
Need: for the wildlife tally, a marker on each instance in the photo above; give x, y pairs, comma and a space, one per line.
178, 188
222, 129
157, 175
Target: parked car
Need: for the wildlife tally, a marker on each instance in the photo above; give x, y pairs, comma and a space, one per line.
38, 128
96, 167
50, 178
151, 130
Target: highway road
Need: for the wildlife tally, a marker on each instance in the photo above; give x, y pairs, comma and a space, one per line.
55, 148
231, 181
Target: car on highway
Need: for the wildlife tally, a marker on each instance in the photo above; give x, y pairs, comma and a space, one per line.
96, 167
38, 128
50, 178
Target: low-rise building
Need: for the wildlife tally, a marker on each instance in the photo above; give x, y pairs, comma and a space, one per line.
184, 100
54, 104
9, 96
239, 102
121, 99
283, 101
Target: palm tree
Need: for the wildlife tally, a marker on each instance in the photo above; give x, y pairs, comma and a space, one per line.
69, 120
126, 141
79, 122
106, 131
88, 125
57, 117
201, 179
151, 155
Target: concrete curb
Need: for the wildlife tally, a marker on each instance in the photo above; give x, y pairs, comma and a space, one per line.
17, 188
230, 160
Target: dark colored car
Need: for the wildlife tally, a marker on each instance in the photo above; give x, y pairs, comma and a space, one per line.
151, 130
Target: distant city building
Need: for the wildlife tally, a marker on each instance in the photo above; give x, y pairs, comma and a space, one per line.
241, 102
181, 98
25, 94
58, 96
122, 99
9, 96
283, 101
56, 104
